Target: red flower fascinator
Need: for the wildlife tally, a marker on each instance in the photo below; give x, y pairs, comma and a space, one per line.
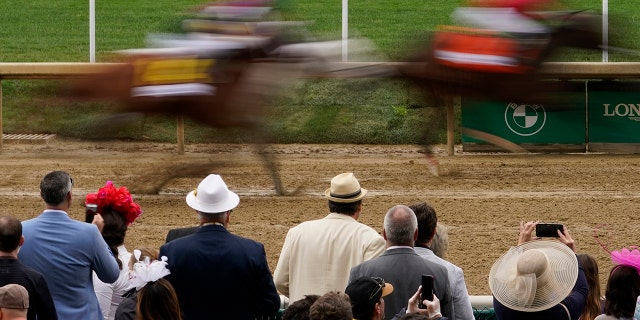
115, 199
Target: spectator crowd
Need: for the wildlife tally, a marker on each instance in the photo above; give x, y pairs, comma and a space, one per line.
333, 268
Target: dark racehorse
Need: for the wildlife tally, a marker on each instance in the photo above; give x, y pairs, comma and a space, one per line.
440, 80
579, 29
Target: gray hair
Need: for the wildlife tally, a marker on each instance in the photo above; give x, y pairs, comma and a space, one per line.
212, 217
400, 225
55, 186
440, 242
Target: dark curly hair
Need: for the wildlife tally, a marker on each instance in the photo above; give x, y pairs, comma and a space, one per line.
344, 208
299, 310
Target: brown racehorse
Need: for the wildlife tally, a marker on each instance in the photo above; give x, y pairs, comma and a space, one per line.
226, 87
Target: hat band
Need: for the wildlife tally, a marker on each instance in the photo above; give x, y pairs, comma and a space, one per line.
346, 196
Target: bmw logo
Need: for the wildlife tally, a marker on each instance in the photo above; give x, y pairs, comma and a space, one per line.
525, 119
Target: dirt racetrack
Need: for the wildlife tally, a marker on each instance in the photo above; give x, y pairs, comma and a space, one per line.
481, 198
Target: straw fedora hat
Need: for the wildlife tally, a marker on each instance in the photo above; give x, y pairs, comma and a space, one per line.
345, 188
212, 196
534, 276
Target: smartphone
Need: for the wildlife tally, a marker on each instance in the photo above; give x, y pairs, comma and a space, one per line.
427, 290
90, 211
548, 229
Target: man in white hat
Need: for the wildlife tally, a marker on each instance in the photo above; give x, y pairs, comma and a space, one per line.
218, 275
317, 255
539, 279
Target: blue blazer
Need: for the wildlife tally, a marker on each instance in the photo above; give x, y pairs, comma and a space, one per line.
66, 252
218, 275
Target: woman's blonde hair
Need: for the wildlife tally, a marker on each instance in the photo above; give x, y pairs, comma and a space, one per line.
152, 254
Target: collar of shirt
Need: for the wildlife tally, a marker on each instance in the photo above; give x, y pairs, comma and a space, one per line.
398, 247
212, 224
334, 215
53, 210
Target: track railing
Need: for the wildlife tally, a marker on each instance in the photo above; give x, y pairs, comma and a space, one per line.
553, 70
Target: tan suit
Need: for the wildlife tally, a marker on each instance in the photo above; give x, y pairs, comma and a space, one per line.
317, 255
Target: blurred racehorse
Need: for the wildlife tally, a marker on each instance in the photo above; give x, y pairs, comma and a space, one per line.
485, 65
221, 81
482, 64
226, 82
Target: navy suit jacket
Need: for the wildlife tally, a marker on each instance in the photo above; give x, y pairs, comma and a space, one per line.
403, 268
180, 232
218, 275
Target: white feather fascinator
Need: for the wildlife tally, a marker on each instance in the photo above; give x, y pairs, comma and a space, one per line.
146, 271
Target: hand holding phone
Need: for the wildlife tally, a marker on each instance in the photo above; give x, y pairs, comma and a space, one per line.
427, 290
548, 229
90, 211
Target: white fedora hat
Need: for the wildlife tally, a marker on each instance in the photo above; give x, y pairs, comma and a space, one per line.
345, 188
212, 196
534, 276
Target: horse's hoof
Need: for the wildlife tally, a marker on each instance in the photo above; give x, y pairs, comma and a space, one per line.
434, 167
296, 192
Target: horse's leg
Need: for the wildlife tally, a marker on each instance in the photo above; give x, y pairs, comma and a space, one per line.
433, 115
251, 97
427, 141
271, 165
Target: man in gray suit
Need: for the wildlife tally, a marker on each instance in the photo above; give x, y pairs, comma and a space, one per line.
427, 225
402, 266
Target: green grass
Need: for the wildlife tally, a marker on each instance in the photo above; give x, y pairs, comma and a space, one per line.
42, 31
315, 111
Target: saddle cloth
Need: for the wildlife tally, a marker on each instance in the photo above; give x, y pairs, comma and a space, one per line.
478, 50
164, 76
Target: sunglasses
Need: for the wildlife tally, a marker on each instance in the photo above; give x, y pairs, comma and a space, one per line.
380, 283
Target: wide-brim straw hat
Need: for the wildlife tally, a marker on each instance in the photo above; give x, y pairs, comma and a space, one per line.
528, 290
212, 196
345, 188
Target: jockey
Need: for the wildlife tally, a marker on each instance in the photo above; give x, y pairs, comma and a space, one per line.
514, 18
511, 16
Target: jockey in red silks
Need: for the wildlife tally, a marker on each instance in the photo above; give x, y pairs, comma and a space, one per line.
516, 17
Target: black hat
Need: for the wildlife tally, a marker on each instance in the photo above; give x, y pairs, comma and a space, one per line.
365, 292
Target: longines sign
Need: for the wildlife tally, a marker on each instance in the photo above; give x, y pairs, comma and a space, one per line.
631, 111
605, 116
614, 112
